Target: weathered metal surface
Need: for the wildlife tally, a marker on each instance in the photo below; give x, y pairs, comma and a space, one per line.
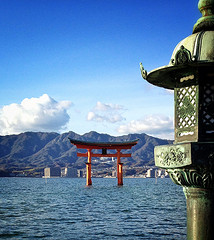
182, 56
206, 22
203, 154
194, 110
195, 177
186, 113
143, 71
185, 154
200, 212
173, 156
194, 49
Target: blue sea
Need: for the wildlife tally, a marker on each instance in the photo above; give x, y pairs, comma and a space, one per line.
64, 208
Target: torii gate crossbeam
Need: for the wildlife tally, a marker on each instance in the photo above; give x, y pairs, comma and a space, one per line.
118, 146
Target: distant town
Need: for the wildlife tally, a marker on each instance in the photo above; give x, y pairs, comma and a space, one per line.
70, 172
106, 170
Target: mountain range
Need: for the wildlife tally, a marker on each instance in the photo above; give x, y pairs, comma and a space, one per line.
33, 151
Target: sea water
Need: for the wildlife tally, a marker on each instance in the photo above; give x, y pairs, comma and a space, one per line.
64, 208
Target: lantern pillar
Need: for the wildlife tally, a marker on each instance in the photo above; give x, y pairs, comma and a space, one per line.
190, 160
200, 213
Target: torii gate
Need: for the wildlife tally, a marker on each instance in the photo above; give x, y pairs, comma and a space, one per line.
118, 146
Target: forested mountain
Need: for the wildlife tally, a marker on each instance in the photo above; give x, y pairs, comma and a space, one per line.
37, 150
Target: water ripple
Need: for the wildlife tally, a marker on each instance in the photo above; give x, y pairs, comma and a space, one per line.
66, 209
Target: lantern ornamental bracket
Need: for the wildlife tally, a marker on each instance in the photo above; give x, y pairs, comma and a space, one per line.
182, 56
143, 71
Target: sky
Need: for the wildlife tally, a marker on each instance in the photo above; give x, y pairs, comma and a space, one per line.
73, 65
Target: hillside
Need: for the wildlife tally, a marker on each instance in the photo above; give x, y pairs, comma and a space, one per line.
37, 150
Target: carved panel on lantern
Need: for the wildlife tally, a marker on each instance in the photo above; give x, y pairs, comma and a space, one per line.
171, 156
185, 154
186, 105
208, 109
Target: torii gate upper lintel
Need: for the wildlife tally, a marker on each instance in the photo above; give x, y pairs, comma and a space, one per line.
118, 146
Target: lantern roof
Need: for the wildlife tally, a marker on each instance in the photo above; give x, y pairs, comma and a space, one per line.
191, 54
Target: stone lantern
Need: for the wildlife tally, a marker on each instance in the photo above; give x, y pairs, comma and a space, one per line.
190, 160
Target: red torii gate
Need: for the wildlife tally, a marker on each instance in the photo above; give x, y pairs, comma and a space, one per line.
118, 146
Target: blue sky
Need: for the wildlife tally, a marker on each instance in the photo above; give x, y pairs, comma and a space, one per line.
73, 65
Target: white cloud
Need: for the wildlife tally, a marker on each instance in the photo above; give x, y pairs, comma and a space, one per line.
158, 126
108, 107
106, 113
34, 114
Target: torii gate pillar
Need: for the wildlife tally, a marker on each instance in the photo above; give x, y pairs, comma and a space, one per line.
119, 169
120, 174
88, 169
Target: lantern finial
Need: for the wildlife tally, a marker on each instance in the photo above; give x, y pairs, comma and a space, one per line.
206, 22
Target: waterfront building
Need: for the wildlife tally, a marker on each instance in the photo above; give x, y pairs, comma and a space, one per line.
150, 173
114, 173
52, 172
79, 173
158, 173
70, 172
